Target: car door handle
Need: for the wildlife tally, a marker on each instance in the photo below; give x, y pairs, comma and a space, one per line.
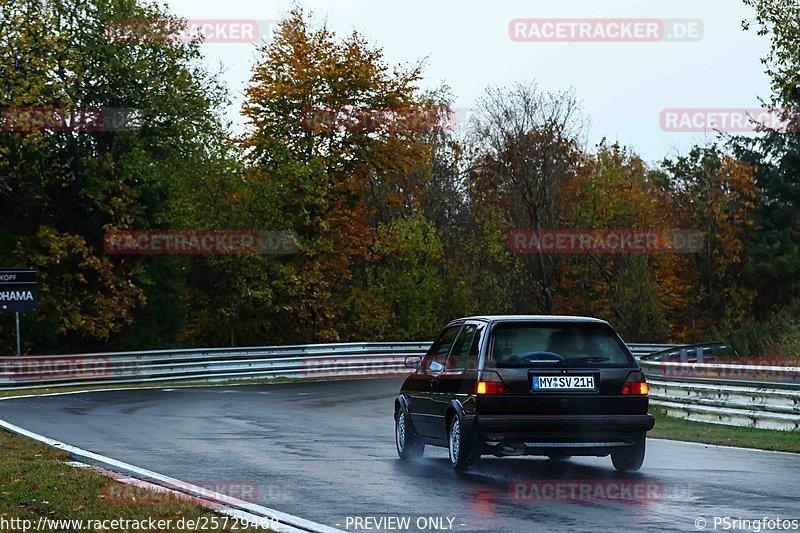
432, 382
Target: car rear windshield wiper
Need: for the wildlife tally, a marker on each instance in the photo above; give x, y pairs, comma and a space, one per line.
591, 359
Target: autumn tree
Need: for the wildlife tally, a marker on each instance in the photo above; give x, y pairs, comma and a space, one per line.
532, 141
643, 294
716, 194
328, 149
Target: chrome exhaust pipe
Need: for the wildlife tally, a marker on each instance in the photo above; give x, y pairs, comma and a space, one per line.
509, 449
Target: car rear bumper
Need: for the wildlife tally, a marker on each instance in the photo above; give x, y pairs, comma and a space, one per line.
569, 430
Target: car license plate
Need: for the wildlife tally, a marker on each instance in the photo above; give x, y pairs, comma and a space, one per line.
563, 382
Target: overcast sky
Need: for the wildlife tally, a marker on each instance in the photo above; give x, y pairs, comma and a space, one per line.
623, 86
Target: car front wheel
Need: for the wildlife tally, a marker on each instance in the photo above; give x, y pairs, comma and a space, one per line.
629, 459
463, 450
406, 439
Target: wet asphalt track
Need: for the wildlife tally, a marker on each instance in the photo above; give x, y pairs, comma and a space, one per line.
325, 451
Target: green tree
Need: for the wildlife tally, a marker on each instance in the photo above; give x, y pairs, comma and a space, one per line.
60, 191
404, 293
772, 247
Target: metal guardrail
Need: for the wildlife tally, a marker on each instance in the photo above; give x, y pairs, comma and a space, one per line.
759, 407
212, 365
639, 349
745, 395
218, 364
731, 394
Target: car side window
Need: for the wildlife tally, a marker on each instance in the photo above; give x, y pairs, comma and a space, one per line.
464, 354
439, 350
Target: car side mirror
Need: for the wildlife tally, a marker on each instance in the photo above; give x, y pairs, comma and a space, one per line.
436, 366
413, 361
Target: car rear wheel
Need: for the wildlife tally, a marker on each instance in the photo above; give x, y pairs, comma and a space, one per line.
462, 448
629, 459
408, 444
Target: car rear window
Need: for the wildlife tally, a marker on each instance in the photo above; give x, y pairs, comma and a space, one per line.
557, 344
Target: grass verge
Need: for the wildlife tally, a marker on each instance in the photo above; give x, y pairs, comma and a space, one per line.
36, 483
668, 427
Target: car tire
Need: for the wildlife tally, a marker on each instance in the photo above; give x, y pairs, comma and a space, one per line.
629, 459
462, 449
408, 443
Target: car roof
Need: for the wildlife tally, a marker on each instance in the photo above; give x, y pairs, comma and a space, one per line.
533, 318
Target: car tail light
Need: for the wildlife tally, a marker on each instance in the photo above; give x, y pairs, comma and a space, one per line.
489, 383
635, 385
638, 388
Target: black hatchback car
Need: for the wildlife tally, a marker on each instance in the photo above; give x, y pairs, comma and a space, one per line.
556, 386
